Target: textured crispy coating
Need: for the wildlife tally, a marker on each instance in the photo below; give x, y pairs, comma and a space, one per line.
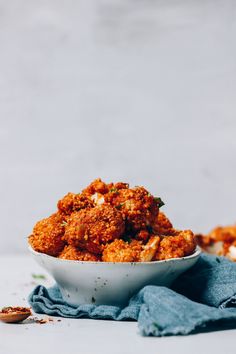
47, 235
223, 233
137, 246
74, 254
121, 251
73, 202
138, 207
204, 240
143, 235
162, 225
177, 246
97, 186
90, 229
219, 241
119, 185
114, 223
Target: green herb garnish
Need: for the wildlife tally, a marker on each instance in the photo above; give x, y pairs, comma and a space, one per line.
38, 276
114, 190
149, 228
127, 238
159, 201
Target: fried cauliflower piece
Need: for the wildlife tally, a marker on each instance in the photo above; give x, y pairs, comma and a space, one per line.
121, 251
91, 229
72, 202
97, 186
97, 198
210, 245
137, 246
47, 235
220, 241
138, 207
97, 189
150, 249
143, 235
183, 244
74, 254
117, 186
224, 233
162, 225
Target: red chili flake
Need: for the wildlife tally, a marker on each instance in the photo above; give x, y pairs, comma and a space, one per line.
16, 309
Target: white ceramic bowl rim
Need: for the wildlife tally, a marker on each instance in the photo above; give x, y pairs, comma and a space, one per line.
193, 255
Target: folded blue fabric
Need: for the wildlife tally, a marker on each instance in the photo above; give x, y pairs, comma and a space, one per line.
201, 299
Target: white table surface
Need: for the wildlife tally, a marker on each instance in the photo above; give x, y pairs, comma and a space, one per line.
83, 335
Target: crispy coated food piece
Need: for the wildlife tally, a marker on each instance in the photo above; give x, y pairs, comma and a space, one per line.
121, 251
142, 235
47, 235
204, 241
90, 229
230, 251
119, 185
225, 233
99, 198
138, 207
97, 186
220, 241
137, 246
74, 202
115, 223
97, 189
162, 225
150, 249
181, 245
74, 254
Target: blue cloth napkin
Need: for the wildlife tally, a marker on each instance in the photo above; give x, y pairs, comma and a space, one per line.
201, 299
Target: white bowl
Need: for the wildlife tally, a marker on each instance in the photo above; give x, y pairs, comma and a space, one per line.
107, 283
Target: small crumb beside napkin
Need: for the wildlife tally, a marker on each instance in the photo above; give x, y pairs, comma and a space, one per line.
201, 299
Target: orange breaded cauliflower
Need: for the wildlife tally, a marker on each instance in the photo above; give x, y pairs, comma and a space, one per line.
220, 241
121, 251
162, 225
74, 254
138, 207
183, 244
73, 202
112, 222
224, 233
150, 249
97, 186
47, 235
90, 229
143, 235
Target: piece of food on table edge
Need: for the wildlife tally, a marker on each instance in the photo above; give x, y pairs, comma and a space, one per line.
220, 241
14, 314
111, 223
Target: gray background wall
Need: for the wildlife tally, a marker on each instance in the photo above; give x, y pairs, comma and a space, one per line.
140, 91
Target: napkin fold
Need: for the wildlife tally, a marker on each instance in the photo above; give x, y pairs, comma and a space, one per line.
201, 299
